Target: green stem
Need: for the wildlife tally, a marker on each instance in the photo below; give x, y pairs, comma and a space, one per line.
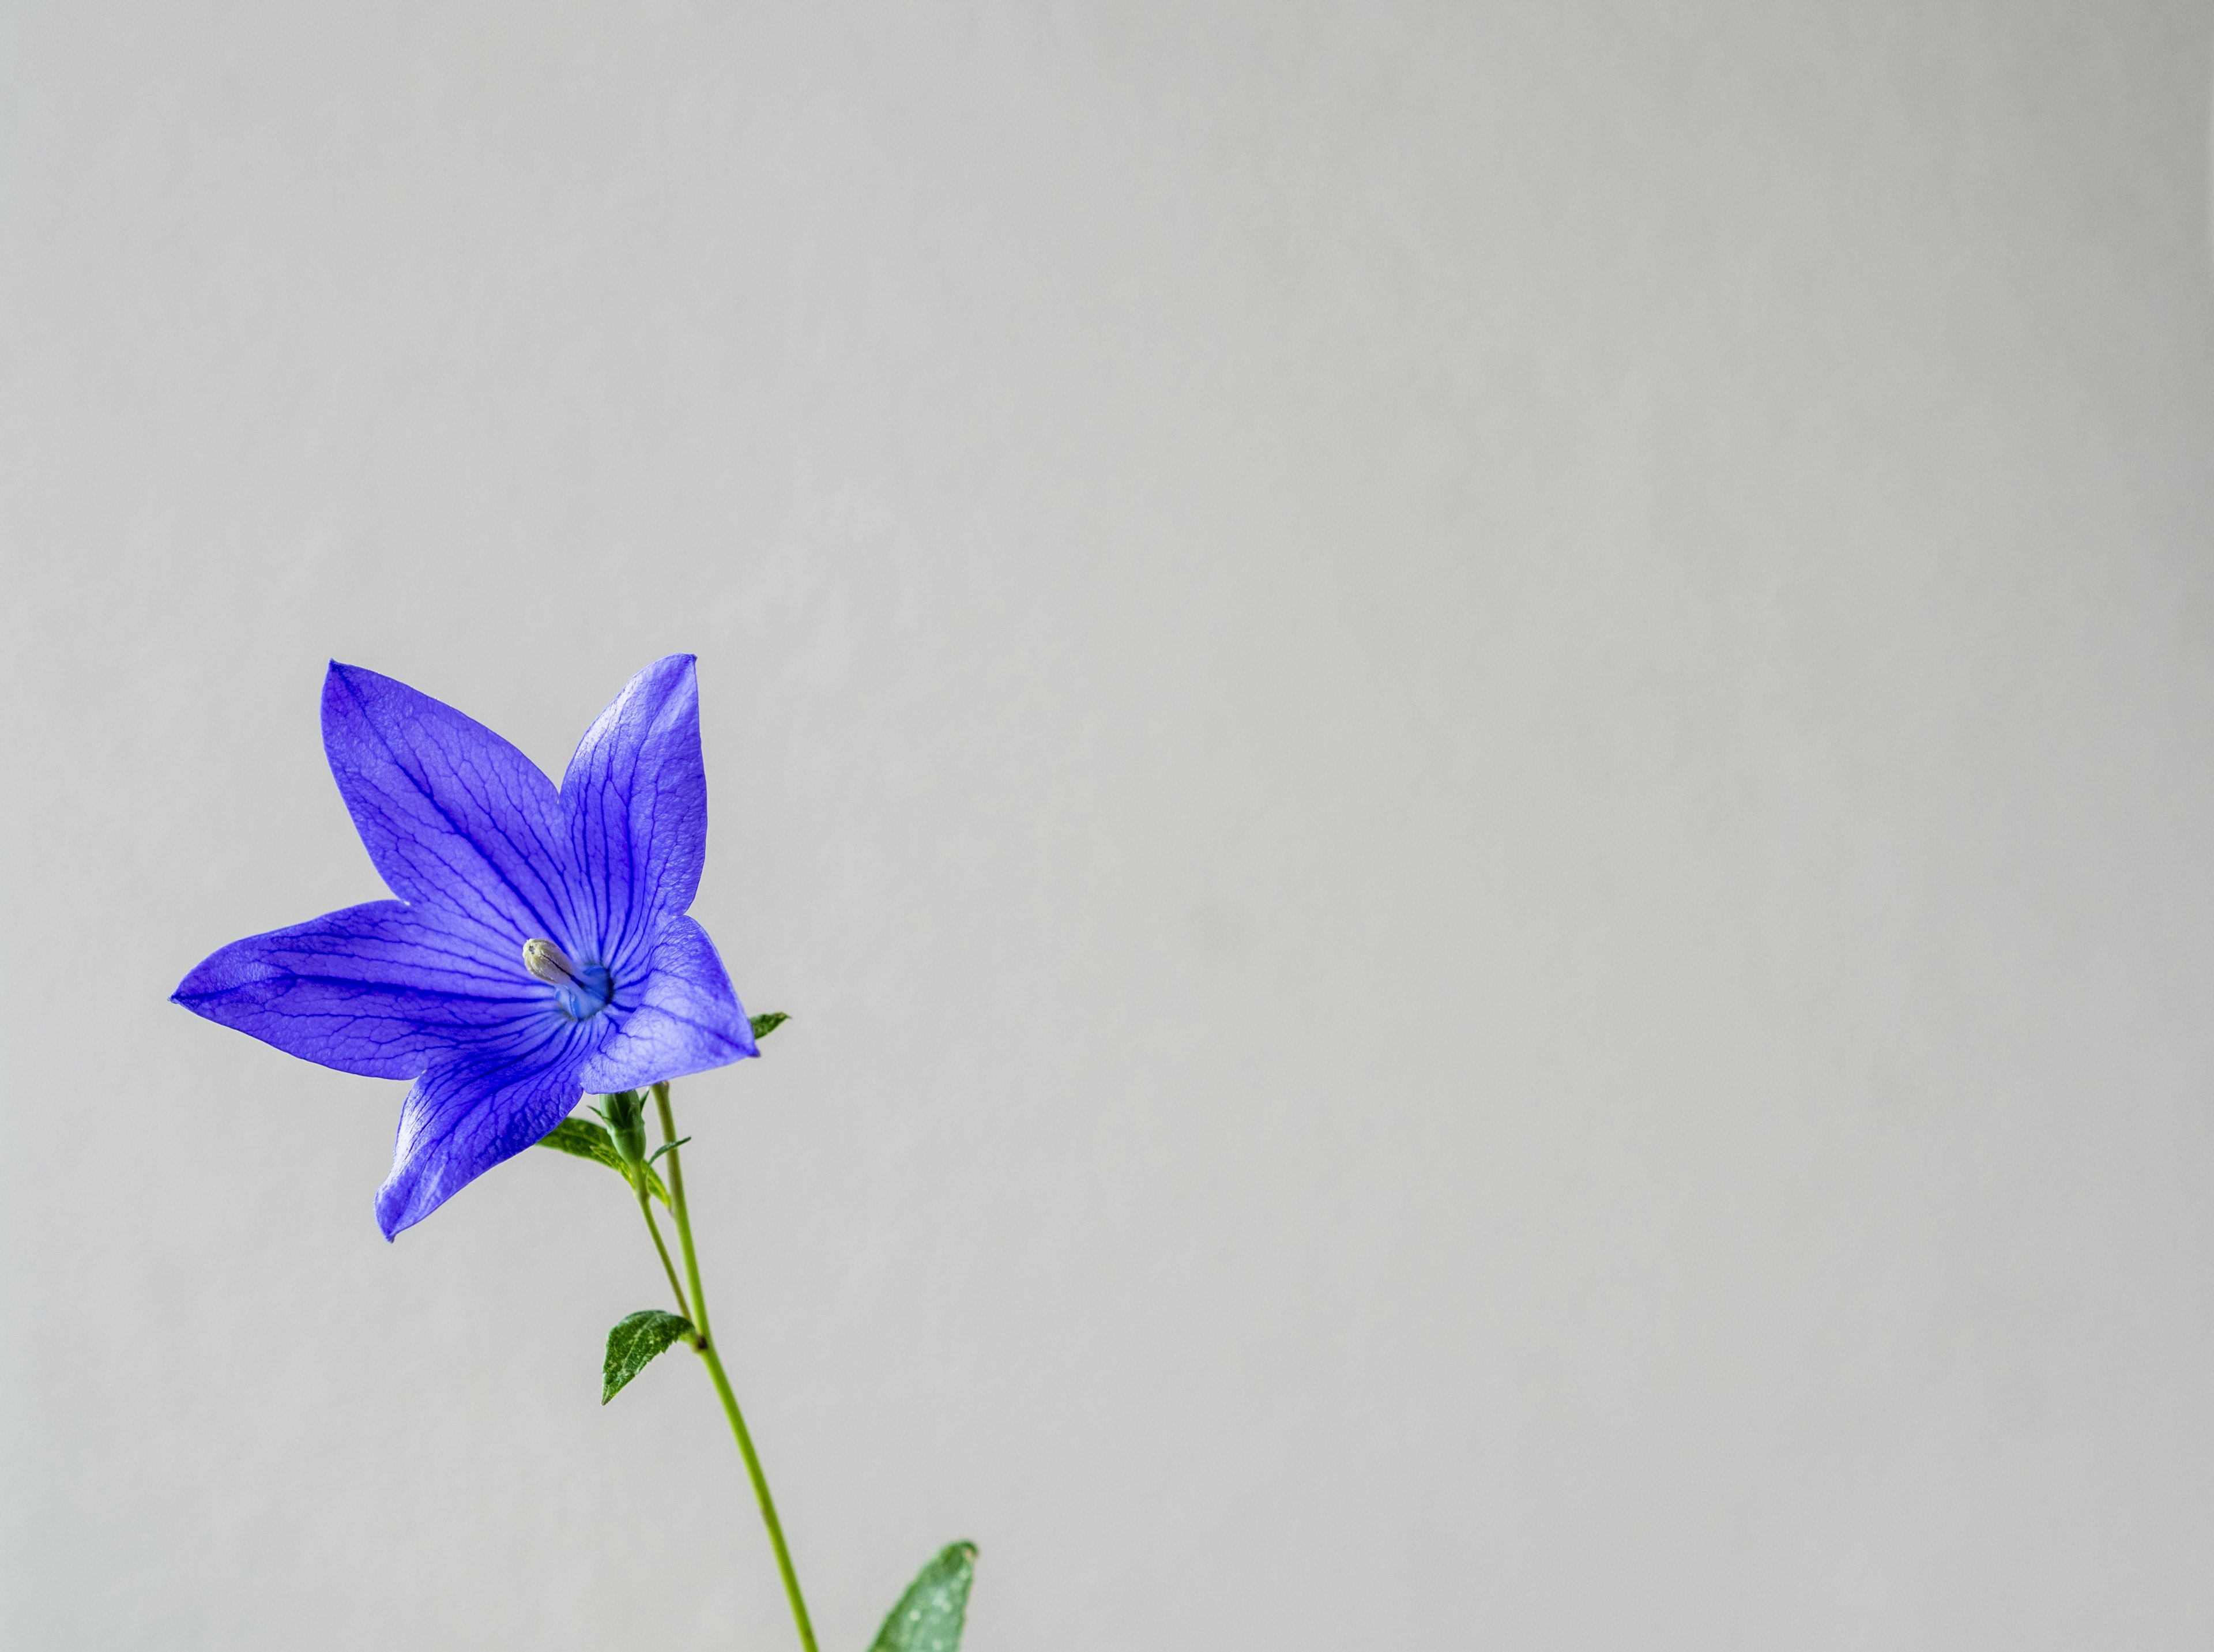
645, 1209
706, 1350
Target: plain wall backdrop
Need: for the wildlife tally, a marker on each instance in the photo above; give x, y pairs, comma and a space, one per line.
1474, 739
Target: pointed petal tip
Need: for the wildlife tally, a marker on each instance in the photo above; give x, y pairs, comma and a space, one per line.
194, 992
670, 674
201, 981
342, 682
685, 668
394, 1214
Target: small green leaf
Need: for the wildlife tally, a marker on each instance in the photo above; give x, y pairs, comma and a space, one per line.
765, 1025
929, 1615
588, 1141
667, 1146
634, 1344
582, 1137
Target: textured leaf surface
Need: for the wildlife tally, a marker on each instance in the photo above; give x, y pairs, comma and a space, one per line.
589, 1140
584, 1138
765, 1025
635, 1342
929, 1616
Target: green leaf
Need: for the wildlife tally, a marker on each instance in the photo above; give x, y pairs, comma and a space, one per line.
589, 1140
582, 1137
667, 1146
635, 1342
765, 1025
929, 1615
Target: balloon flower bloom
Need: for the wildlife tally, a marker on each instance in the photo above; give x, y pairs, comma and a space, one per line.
537, 949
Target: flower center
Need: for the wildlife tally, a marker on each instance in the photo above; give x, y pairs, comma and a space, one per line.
582, 990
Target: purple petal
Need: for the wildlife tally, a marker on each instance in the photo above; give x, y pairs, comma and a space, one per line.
635, 799
465, 1115
688, 1020
379, 989
453, 816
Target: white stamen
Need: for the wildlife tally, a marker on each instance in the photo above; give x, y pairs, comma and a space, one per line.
548, 962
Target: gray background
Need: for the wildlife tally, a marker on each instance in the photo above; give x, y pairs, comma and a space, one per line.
1475, 740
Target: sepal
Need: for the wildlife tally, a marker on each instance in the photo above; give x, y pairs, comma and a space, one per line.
624, 1114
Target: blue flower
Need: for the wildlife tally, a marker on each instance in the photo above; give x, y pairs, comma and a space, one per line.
539, 948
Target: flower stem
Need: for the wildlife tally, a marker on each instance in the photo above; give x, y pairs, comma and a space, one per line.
706, 1350
645, 1209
